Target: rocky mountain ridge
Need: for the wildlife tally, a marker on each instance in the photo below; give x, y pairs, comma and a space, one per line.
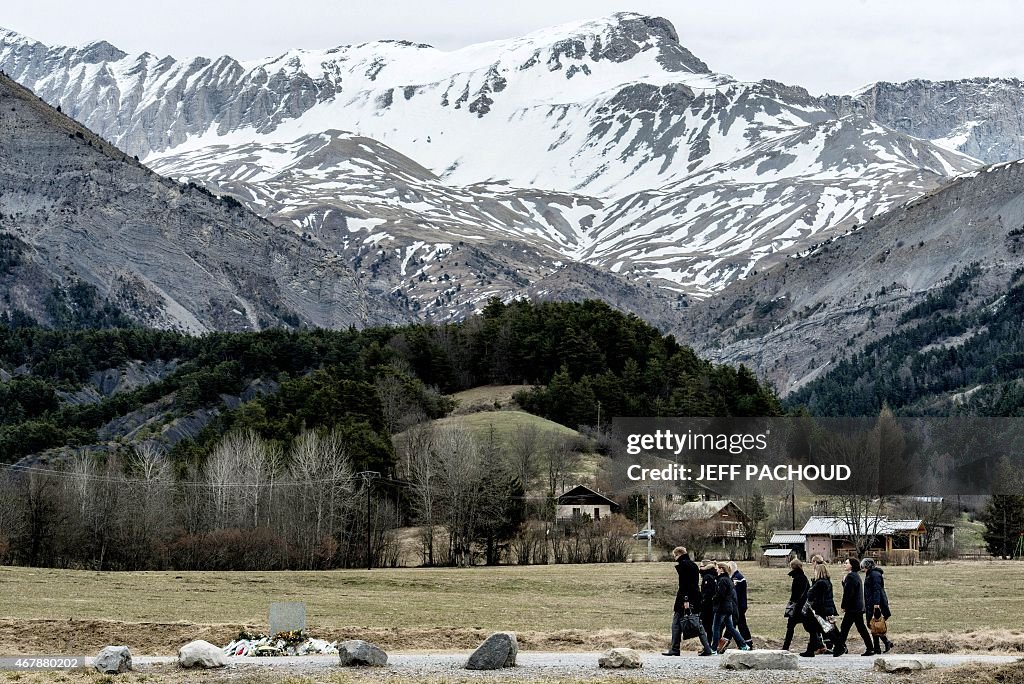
74, 210
795, 321
981, 117
606, 144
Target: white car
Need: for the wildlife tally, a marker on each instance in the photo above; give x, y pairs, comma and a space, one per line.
644, 534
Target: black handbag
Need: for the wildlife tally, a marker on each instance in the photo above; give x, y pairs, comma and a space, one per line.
691, 626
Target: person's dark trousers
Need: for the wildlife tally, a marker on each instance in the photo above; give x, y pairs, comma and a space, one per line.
885, 640
730, 627
741, 624
851, 618
816, 639
791, 624
707, 618
677, 634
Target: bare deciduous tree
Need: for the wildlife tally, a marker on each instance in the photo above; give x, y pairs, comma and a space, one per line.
238, 472
321, 489
524, 453
391, 395
458, 468
561, 459
422, 474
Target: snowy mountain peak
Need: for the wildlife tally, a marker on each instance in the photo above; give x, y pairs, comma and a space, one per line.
10, 37
481, 171
100, 51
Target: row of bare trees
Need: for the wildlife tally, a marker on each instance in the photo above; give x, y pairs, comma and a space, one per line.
464, 494
254, 505
250, 506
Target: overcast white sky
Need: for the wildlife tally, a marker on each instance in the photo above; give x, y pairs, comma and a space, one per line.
823, 45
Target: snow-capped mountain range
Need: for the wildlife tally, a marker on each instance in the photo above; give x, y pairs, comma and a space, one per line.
444, 178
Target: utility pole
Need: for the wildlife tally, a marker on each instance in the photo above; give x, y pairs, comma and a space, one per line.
1004, 532
649, 531
599, 416
368, 476
792, 507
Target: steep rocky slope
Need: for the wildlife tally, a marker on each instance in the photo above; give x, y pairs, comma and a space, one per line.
982, 117
78, 210
797, 319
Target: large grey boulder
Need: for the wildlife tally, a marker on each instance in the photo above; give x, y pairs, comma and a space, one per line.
201, 654
358, 652
760, 660
113, 660
902, 664
620, 659
497, 651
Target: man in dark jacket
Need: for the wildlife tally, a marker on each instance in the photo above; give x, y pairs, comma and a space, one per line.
797, 596
689, 580
853, 610
688, 599
874, 595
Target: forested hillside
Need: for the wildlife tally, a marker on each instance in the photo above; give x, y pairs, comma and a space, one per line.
151, 449
946, 358
368, 383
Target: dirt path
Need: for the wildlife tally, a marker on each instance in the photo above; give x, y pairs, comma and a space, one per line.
34, 637
550, 666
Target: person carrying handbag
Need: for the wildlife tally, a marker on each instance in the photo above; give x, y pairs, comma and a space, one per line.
876, 600
686, 624
818, 608
797, 595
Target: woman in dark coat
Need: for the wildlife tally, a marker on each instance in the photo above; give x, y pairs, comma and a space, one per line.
708, 584
821, 602
797, 595
725, 608
853, 610
874, 595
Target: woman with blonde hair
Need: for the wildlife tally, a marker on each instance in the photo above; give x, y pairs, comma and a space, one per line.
820, 602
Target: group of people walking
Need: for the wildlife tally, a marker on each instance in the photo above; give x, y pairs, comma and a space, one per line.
861, 599
711, 600
711, 605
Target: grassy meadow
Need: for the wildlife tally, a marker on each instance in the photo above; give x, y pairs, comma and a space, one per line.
562, 607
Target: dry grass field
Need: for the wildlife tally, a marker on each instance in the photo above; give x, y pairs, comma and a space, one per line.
946, 606
484, 397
